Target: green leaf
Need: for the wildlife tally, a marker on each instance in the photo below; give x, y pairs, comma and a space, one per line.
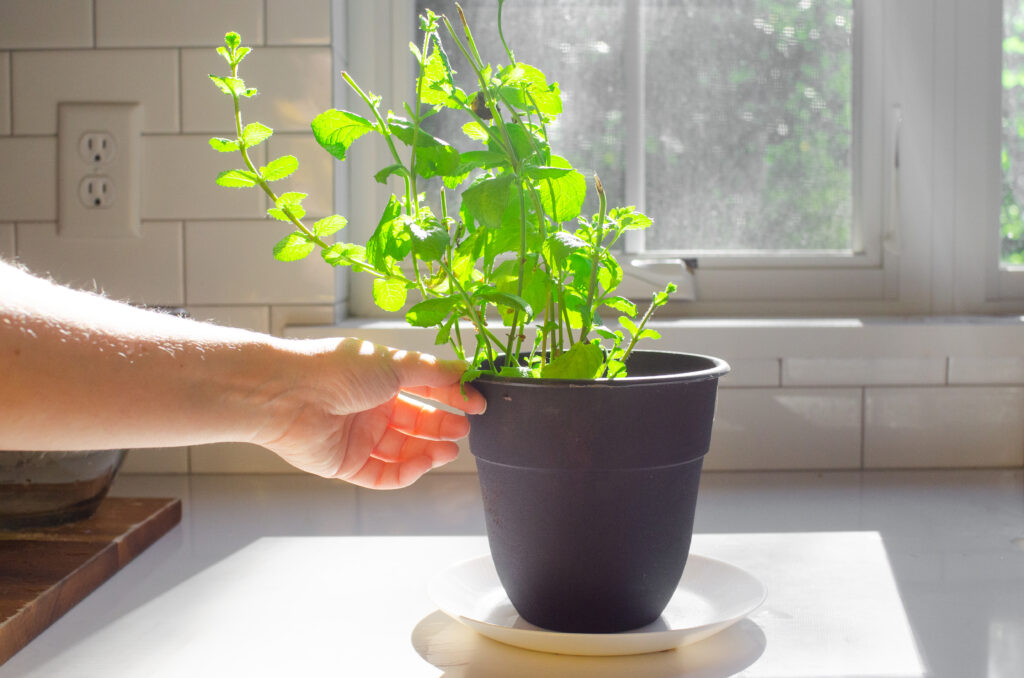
343, 254
434, 157
291, 198
223, 145
648, 333
475, 131
296, 210
516, 372
381, 177
224, 53
429, 240
582, 361
279, 168
293, 247
329, 225
488, 199
629, 219
526, 88
543, 172
616, 368
389, 293
232, 39
438, 89
562, 197
526, 140
236, 178
482, 160
560, 245
381, 243
255, 133
240, 54
615, 337
534, 288
430, 312
250, 92
628, 324
609, 275
229, 85
622, 305
335, 130
493, 296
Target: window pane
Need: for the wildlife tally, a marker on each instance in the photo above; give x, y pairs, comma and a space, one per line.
749, 124
577, 43
1011, 219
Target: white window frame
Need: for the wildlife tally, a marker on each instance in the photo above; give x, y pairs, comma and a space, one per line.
927, 229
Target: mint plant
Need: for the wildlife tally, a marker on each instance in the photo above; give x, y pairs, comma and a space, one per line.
516, 242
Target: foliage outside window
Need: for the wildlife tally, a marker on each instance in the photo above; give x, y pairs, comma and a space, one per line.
748, 124
1011, 217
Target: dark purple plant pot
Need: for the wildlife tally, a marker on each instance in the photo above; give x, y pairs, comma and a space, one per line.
589, 488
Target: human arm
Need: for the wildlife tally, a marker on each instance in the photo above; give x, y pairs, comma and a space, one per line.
79, 371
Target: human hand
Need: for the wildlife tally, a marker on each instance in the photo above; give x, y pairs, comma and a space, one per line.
349, 414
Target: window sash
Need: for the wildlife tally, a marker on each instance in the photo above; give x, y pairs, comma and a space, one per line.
920, 245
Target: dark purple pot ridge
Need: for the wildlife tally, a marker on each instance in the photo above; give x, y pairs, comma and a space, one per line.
590, 487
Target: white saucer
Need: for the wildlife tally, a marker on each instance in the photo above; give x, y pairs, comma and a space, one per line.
711, 596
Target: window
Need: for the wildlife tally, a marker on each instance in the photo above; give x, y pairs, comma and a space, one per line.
818, 157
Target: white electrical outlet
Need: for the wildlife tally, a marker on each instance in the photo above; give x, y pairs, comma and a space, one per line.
99, 151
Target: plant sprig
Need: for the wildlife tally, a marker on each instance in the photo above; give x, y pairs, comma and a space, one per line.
517, 244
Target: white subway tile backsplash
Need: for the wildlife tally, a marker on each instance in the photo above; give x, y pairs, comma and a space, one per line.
42, 79
863, 371
751, 372
255, 318
786, 428
283, 316
145, 269
294, 83
5, 93
32, 24
986, 370
315, 174
178, 175
231, 262
174, 23
156, 460
236, 458
944, 427
298, 22
28, 187
7, 242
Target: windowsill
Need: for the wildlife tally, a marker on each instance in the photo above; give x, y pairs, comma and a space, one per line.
871, 351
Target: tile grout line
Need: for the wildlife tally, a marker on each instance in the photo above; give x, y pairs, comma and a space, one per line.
863, 426
10, 90
181, 93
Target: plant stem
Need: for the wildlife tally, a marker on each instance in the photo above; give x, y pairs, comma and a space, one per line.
589, 320
474, 317
384, 130
416, 124
262, 183
501, 34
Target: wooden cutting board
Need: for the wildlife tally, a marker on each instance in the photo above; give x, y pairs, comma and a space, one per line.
46, 571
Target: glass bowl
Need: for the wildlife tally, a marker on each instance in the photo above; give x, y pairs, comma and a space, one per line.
50, 488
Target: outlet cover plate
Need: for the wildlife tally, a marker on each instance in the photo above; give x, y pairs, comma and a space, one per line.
117, 166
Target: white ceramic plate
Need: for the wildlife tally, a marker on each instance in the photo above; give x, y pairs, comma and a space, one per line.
711, 596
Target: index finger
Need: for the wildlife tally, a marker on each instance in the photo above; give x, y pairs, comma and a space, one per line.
423, 369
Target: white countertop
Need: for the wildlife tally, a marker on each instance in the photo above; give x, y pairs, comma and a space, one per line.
907, 574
